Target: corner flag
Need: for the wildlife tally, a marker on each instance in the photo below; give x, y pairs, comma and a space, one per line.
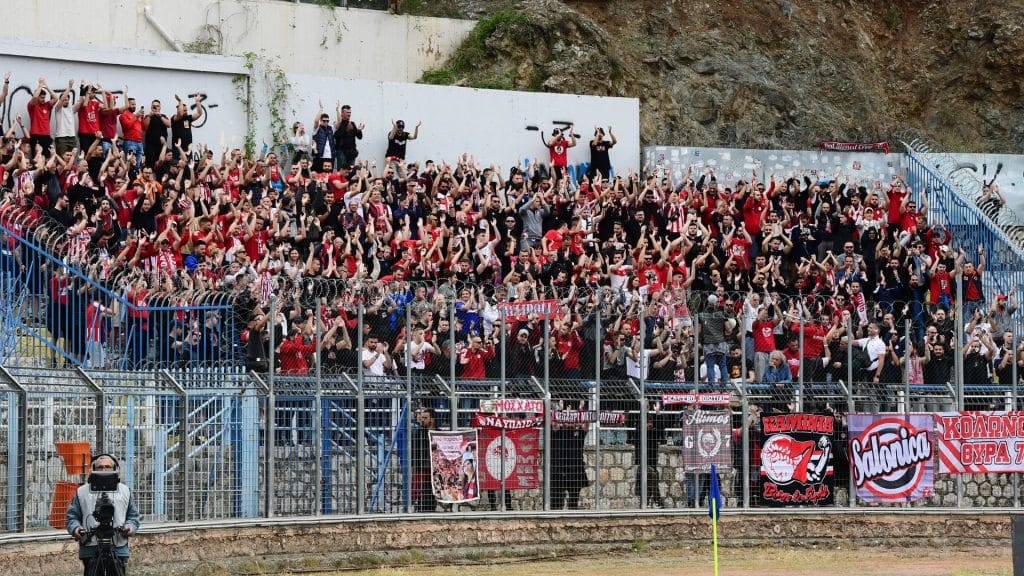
714, 496
714, 508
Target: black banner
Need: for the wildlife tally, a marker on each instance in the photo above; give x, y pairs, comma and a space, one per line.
796, 460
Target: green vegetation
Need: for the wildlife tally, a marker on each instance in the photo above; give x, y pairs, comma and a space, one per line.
472, 53
435, 8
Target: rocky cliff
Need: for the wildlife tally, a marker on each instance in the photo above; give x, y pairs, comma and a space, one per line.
777, 73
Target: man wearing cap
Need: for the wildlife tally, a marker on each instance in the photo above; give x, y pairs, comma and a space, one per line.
713, 338
397, 140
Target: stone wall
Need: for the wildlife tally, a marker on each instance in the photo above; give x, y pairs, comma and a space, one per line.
268, 542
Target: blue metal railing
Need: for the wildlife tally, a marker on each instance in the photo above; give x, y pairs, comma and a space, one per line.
57, 314
970, 227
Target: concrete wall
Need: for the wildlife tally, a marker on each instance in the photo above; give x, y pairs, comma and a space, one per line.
148, 75
489, 123
306, 39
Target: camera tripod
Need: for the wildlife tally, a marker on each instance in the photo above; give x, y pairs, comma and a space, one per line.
105, 562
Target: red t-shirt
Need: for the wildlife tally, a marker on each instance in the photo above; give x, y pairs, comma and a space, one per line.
896, 199
89, 117
569, 346
793, 360
131, 126
39, 118
476, 367
739, 247
814, 339
559, 153
554, 240
752, 215
941, 283
108, 123
764, 335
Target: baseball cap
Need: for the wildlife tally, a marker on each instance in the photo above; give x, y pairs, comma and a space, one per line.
713, 300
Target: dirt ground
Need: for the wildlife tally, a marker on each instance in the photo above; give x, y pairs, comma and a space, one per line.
923, 561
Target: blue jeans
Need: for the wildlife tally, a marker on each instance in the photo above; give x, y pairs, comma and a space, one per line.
714, 355
129, 147
694, 484
342, 159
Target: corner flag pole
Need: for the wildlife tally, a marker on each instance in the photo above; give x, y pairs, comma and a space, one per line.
714, 507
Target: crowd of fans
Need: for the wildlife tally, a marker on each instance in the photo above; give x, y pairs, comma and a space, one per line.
754, 267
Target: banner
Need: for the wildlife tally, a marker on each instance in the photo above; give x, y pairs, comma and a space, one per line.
891, 457
588, 417
522, 463
503, 423
519, 311
454, 472
796, 460
702, 398
980, 442
707, 440
854, 146
512, 406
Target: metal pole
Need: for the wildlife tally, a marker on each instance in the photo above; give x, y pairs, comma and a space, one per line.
696, 354
504, 370
547, 447
906, 366
642, 432
1013, 395
959, 359
597, 407
800, 383
360, 458
318, 447
408, 408
454, 416
547, 415
745, 427
268, 468
851, 488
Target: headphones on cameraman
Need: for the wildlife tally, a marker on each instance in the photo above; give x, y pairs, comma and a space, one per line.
117, 464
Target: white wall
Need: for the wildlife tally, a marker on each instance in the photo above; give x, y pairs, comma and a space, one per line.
307, 39
148, 76
489, 123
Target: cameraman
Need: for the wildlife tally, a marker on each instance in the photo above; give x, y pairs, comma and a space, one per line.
80, 520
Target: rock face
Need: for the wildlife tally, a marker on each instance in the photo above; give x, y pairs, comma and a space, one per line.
778, 74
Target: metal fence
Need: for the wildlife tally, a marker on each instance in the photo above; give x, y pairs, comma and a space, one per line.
206, 443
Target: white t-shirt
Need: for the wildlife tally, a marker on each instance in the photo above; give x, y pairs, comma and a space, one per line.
66, 122
875, 348
378, 366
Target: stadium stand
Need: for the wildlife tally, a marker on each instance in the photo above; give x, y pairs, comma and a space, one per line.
141, 249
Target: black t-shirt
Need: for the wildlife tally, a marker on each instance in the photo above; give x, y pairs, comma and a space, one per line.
155, 131
396, 145
345, 136
599, 159
181, 129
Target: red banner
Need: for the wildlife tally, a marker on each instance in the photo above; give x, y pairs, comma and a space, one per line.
503, 423
512, 406
522, 463
703, 398
571, 417
980, 442
521, 310
707, 440
854, 146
